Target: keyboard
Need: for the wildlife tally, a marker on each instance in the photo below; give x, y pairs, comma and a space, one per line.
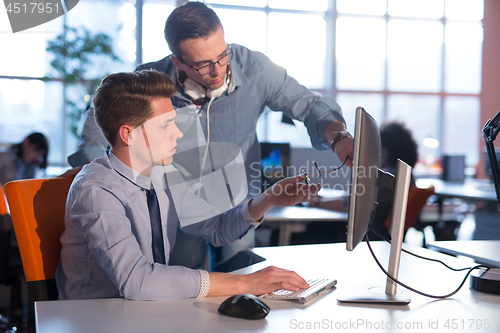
316, 287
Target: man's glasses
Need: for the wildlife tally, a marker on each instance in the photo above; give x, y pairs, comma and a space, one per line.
307, 178
207, 69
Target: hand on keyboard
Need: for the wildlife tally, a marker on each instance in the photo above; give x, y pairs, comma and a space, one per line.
270, 279
289, 293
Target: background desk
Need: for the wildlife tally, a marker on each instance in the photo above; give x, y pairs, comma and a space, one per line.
485, 252
470, 190
423, 314
294, 219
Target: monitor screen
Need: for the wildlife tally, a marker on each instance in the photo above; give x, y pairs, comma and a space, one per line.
275, 162
365, 167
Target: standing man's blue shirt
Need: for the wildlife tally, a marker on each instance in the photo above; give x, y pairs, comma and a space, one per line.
258, 83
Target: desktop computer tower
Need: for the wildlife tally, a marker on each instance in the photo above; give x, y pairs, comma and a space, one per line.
453, 168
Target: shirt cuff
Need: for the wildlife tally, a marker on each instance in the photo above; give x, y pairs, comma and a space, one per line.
204, 283
322, 113
247, 217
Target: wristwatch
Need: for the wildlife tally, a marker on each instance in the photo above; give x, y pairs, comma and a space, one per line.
339, 136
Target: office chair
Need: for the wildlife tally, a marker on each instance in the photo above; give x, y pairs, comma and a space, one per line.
417, 198
37, 209
11, 268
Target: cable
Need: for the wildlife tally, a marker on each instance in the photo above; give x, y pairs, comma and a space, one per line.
416, 255
208, 142
415, 290
470, 269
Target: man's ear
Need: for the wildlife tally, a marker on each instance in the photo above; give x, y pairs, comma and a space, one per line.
125, 134
176, 62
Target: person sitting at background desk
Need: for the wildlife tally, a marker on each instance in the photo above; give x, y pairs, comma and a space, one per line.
397, 142
22, 160
231, 86
121, 220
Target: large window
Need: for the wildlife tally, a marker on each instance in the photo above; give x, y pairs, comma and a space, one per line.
415, 61
29, 104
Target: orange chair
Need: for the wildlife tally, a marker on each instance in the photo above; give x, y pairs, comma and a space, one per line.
417, 197
4, 209
37, 209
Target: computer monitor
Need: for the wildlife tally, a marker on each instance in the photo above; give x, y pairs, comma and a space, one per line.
275, 162
366, 176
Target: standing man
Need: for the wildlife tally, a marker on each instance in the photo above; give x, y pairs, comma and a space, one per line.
231, 86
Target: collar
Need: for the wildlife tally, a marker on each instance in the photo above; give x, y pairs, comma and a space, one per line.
156, 178
127, 172
238, 77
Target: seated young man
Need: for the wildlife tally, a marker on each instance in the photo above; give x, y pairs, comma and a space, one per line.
116, 243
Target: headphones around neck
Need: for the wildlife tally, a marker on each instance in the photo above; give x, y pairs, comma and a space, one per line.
196, 91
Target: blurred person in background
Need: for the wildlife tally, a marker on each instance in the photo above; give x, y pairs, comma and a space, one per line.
24, 159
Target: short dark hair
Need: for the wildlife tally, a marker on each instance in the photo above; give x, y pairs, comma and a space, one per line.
125, 98
192, 20
40, 142
397, 142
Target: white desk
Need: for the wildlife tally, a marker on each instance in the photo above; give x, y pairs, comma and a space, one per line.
294, 219
325, 314
486, 252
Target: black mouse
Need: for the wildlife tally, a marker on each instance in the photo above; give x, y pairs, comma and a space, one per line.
244, 306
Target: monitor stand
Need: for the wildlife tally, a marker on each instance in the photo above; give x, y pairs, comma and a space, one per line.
391, 295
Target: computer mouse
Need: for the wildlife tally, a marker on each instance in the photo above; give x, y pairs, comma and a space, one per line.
244, 306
